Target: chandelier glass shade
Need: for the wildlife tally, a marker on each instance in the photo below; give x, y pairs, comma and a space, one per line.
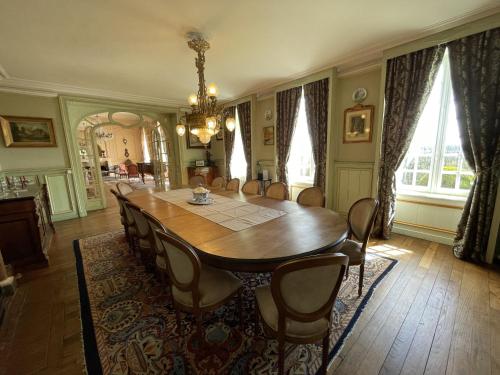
206, 116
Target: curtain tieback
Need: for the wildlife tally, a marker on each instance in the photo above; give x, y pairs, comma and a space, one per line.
494, 166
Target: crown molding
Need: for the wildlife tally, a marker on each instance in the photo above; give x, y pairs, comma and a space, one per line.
370, 58
39, 88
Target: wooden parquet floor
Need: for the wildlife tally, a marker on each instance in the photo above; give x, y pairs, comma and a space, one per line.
433, 314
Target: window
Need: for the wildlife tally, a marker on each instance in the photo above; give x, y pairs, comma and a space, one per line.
435, 162
301, 162
238, 163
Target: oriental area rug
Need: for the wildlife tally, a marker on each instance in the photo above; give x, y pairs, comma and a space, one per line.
129, 324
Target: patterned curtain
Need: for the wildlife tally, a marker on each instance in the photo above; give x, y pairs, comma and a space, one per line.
148, 143
245, 118
316, 97
475, 77
287, 110
408, 85
228, 142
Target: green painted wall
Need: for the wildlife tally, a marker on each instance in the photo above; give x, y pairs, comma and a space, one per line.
39, 157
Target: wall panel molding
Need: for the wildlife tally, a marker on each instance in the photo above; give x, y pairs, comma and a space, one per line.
352, 181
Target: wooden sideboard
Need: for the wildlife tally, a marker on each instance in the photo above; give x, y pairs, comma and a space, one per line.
25, 227
209, 173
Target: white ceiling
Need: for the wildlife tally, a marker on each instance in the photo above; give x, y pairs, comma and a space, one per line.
139, 47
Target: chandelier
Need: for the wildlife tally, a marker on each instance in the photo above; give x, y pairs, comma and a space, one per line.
205, 119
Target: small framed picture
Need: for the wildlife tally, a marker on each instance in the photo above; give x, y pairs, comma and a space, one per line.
268, 115
193, 141
28, 132
269, 135
358, 123
219, 135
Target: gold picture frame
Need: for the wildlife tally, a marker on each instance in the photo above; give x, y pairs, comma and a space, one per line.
358, 124
28, 131
268, 134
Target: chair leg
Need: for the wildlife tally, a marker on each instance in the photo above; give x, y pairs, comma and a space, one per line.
347, 272
281, 356
240, 309
257, 324
361, 275
326, 349
199, 326
178, 319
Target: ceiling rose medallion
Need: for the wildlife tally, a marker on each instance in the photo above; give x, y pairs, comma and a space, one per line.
206, 117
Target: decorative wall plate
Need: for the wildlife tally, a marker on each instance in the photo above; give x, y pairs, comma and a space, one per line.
359, 94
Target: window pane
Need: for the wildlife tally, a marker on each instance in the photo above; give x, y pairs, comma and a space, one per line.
409, 163
424, 162
408, 178
301, 163
238, 164
450, 163
448, 181
422, 179
466, 181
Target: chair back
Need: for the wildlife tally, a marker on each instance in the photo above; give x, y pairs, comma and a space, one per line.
127, 214
361, 217
155, 225
124, 188
305, 289
183, 264
196, 181
277, 190
141, 224
233, 185
218, 182
120, 205
251, 187
312, 196
133, 170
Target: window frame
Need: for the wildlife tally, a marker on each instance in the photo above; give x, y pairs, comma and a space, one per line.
439, 152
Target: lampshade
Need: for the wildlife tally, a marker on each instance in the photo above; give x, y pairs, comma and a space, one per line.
180, 129
211, 122
212, 90
230, 123
193, 99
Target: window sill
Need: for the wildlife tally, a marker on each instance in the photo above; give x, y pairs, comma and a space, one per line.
301, 184
421, 197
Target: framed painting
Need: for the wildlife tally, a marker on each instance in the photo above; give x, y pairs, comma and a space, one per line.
358, 122
28, 132
193, 141
269, 135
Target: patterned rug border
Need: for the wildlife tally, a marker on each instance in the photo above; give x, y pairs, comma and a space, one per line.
348, 330
93, 361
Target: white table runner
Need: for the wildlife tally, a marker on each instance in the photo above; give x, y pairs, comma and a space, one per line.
229, 213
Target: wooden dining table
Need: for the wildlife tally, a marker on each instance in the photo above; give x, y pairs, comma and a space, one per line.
300, 232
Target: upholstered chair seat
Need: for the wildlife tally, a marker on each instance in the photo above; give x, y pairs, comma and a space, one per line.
142, 230
132, 232
214, 286
293, 328
195, 287
354, 250
144, 244
161, 263
160, 260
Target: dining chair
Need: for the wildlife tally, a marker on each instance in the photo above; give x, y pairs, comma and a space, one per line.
196, 288
360, 221
218, 182
297, 306
129, 225
124, 188
133, 171
277, 190
233, 185
142, 233
122, 170
154, 240
197, 180
123, 218
251, 187
312, 196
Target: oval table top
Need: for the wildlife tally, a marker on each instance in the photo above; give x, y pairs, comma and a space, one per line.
260, 248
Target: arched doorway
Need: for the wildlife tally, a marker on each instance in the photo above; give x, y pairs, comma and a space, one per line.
108, 148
